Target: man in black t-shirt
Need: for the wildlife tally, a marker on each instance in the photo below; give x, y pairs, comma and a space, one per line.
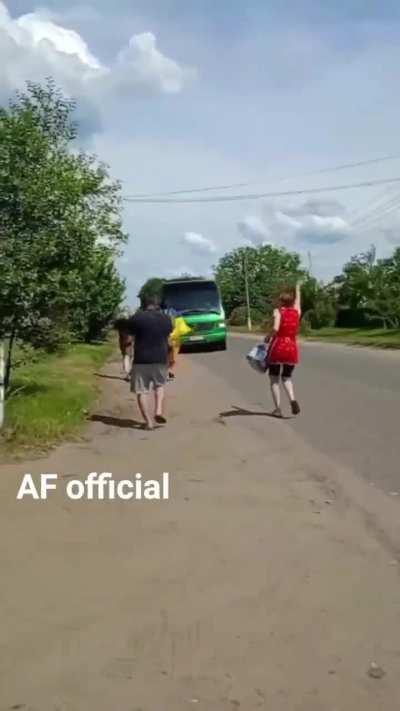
151, 330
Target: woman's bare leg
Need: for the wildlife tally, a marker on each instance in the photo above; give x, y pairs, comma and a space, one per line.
289, 389
276, 392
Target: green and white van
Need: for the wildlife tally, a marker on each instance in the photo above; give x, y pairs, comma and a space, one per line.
199, 302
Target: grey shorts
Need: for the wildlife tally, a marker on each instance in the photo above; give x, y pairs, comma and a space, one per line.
146, 376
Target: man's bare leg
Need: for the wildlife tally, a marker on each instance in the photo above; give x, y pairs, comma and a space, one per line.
126, 365
143, 403
159, 394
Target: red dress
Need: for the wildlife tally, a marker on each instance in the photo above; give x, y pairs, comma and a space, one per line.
284, 348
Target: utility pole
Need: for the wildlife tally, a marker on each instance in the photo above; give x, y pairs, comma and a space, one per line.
2, 383
310, 265
246, 283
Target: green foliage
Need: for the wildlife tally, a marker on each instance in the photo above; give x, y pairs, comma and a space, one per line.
49, 335
305, 326
323, 315
374, 286
373, 337
269, 270
356, 282
238, 316
318, 304
51, 394
60, 226
367, 287
384, 302
98, 296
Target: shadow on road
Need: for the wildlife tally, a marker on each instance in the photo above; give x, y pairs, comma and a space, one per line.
117, 422
242, 412
192, 348
110, 377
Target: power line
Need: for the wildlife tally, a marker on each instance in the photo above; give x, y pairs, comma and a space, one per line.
199, 190
374, 204
371, 219
343, 166
259, 196
375, 207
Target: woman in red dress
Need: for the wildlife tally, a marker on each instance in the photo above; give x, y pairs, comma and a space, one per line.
283, 353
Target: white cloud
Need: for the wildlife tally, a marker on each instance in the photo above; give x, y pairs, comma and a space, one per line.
309, 223
321, 207
199, 244
253, 230
323, 82
142, 63
34, 46
34, 30
323, 230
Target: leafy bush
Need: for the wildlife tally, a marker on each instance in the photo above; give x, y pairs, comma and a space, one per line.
238, 316
305, 326
323, 315
49, 336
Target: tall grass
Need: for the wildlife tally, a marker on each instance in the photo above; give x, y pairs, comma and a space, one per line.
50, 397
375, 337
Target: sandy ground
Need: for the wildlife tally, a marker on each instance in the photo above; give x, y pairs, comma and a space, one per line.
269, 580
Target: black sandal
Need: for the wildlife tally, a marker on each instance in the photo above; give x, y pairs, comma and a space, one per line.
295, 407
160, 420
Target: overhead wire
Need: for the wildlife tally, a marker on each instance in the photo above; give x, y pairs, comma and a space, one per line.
375, 207
374, 204
370, 220
259, 196
337, 168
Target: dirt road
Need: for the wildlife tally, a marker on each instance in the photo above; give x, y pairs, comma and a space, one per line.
269, 580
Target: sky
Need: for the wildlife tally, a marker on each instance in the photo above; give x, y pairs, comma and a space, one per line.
185, 94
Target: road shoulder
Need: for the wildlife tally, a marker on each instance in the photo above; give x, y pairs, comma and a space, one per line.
261, 555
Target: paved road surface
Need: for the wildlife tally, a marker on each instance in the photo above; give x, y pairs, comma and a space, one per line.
350, 399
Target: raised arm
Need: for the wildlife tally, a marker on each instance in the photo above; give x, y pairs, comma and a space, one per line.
297, 303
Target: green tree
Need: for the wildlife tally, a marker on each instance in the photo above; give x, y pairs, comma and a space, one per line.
269, 269
238, 317
97, 297
384, 297
372, 287
356, 282
56, 207
318, 301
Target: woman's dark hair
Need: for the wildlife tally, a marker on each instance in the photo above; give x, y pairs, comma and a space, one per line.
287, 298
121, 325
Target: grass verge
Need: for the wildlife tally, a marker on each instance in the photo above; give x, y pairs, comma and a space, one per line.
375, 338
50, 398
257, 329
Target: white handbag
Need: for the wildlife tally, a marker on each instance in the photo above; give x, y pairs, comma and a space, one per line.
257, 358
